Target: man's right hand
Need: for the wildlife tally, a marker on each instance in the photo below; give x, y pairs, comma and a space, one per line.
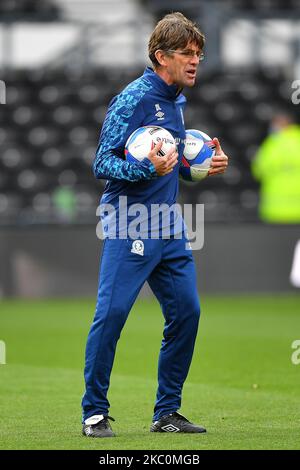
163, 165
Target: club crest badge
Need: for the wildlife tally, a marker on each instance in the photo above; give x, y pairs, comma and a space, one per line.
138, 247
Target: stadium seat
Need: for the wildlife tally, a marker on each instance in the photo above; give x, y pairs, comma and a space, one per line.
43, 10
10, 206
50, 128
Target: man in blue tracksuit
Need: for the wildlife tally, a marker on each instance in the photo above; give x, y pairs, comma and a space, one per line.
154, 99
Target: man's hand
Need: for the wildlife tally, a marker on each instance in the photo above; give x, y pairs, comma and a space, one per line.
163, 165
219, 162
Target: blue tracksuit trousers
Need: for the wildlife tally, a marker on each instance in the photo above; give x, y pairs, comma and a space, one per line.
169, 269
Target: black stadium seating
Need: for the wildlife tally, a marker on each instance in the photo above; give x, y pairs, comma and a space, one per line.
50, 125
262, 6
42, 10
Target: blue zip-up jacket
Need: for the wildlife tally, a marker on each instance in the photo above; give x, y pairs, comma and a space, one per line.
137, 105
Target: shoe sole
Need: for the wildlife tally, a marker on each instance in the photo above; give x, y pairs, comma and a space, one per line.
99, 437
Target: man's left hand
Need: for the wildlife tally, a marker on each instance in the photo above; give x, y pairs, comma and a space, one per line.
219, 161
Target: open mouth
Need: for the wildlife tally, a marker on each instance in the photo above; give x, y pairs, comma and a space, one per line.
191, 73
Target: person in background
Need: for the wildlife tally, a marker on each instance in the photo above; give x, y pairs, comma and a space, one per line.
277, 167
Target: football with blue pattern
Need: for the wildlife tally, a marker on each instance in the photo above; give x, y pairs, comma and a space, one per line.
197, 154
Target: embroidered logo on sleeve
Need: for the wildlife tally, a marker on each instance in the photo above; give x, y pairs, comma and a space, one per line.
159, 114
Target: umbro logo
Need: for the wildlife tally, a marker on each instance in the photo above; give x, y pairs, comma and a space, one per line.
170, 428
159, 114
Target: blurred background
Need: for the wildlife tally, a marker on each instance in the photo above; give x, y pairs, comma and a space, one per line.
63, 60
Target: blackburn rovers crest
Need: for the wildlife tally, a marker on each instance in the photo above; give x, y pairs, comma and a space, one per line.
138, 247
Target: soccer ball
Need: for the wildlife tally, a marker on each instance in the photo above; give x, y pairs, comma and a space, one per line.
143, 140
197, 154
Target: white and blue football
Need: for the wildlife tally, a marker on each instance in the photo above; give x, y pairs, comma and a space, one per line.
140, 143
197, 155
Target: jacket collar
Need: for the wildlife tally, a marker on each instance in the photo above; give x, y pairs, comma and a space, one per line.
168, 91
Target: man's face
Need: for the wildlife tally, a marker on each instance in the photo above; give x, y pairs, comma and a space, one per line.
181, 65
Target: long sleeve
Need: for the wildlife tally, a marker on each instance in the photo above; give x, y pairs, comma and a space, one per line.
125, 114
111, 167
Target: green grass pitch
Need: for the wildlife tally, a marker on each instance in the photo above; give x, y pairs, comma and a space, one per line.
242, 384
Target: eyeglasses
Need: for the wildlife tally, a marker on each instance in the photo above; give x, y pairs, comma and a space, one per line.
188, 53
